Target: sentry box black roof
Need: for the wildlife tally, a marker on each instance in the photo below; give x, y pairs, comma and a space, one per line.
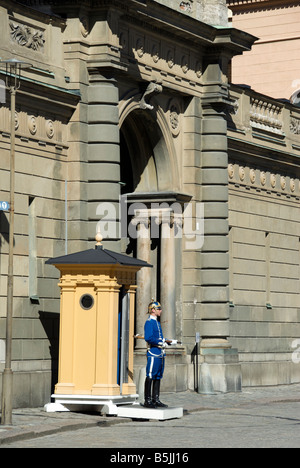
98, 256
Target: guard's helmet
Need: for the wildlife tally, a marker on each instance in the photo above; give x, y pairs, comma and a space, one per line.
153, 305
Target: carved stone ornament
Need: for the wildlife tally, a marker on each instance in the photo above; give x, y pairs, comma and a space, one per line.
84, 26
32, 125
292, 185
170, 59
155, 87
50, 129
186, 6
252, 176
263, 178
174, 117
295, 126
199, 69
273, 180
231, 171
270, 181
26, 36
155, 53
242, 173
140, 47
185, 64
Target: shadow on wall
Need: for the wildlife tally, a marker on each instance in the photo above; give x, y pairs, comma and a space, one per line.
50, 322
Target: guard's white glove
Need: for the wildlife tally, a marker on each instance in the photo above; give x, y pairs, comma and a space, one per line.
174, 342
163, 344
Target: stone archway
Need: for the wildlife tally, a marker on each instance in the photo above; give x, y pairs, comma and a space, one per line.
148, 176
150, 150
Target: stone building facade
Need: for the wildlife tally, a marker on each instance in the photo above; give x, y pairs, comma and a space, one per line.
273, 64
127, 117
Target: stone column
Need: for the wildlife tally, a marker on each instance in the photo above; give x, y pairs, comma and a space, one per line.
215, 255
168, 279
103, 169
143, 293
223, 366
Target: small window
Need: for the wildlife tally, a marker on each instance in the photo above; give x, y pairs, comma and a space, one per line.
86, 301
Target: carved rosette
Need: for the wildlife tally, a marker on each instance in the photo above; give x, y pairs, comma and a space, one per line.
292, 185
252, 176
273, 180
49, 129
231, 171
263, 178
174, 118
32, 124
283, 182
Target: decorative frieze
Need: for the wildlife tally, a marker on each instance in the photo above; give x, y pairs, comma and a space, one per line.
160, 55
260, 179
27, 36
31, 126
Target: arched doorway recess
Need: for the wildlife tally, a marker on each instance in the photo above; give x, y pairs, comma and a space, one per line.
150, 176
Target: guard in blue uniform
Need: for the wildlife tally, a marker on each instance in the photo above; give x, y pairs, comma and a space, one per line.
155, 356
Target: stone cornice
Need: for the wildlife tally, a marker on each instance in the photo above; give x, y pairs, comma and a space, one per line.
26, 5
154, 15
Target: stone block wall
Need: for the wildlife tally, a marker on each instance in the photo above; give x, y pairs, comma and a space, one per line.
264, 275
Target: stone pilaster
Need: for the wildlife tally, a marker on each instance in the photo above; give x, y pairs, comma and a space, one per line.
104, 151
168, 273
143, 294
215, 256
222, 361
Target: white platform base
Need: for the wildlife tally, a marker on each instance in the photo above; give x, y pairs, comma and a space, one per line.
139, 412
102, 404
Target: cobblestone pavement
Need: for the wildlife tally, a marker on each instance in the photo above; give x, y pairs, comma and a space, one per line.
265, 417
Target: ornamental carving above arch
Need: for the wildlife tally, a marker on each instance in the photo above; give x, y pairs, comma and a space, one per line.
27, 36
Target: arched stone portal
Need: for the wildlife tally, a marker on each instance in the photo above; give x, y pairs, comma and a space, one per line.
149, 178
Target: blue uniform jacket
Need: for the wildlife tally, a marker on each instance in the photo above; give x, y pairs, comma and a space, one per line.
154, 337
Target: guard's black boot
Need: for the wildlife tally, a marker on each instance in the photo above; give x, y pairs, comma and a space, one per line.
155, 395
148, 400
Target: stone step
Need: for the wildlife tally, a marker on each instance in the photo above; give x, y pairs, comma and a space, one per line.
139, 412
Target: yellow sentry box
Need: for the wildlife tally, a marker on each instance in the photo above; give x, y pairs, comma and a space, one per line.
96, 323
